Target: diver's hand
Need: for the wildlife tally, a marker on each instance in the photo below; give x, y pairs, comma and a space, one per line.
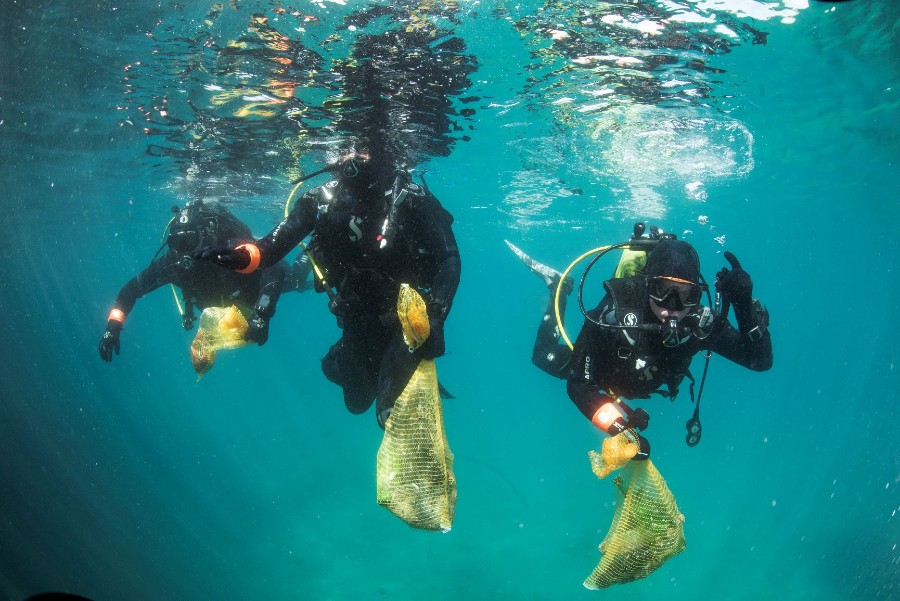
187, 320
701, 320
735, 285
639, 419
110, 340
433, 346
643, 449
231, 258
258, 331
737, 288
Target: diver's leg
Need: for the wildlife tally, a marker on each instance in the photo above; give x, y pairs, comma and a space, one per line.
548, 353
350, 367
397, 367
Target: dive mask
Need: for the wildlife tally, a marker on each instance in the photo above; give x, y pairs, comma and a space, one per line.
184, 241
354, 164
674, 294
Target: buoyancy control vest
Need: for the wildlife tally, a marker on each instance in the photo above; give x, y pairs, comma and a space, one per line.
367, 247
641, 350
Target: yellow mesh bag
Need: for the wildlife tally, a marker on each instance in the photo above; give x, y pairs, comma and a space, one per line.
415, 478
614, 454
647, 527
220, 328
413, 316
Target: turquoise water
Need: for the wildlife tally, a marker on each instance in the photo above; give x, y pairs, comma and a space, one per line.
770, 130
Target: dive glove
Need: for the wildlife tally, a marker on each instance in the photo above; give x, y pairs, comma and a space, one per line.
258, 330
231, 258
639, 419
735, 284
643, 449
736, 287
110, 339
611, 418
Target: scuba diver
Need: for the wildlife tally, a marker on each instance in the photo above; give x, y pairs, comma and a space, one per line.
646, 330
198, 224
372, 230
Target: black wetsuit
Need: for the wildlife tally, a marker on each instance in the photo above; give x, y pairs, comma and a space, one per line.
366, 262
203, 284
548, 353
633, 364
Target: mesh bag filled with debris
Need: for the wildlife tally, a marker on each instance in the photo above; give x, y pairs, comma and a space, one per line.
647, 527
415, 478
220, 328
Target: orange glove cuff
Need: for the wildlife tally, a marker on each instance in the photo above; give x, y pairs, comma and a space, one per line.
606, 415
117, 315
254, 258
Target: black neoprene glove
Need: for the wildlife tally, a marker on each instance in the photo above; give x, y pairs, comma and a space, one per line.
643, 449
232, 258
736, 287
187, 319
110, 340
639, 419
258, 331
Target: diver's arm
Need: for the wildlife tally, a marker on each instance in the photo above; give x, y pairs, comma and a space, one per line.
587, 385
270, 287
435, 240
738, 347
266, 252
611, 415
158, 273
587, 390
438, 238
750, 344
292, 229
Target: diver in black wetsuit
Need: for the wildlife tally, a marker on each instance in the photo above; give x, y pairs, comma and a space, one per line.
372, 229
198, 224
644, 334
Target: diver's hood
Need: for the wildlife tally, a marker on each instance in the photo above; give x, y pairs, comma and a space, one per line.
203, 223
362, 175
674, 259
